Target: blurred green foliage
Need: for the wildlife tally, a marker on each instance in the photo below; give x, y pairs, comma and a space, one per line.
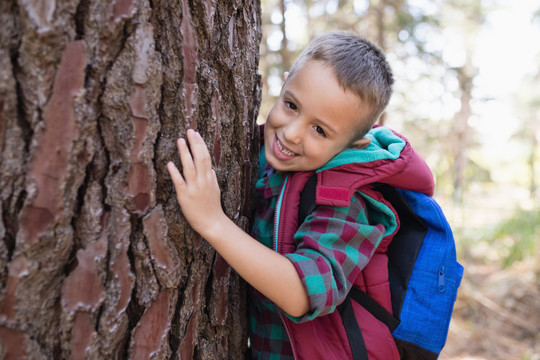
520, 233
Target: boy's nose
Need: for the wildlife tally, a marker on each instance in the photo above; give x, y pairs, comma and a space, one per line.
293, 132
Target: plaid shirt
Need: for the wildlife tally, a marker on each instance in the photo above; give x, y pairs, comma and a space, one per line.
333, 246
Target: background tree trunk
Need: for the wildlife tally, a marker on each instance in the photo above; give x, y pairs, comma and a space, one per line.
96, 260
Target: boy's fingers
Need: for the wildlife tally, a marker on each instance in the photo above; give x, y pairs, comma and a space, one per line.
175, 175
188, 167
201, 156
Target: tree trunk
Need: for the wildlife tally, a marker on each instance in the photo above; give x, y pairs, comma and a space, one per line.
462, 132
380, 10
96, 260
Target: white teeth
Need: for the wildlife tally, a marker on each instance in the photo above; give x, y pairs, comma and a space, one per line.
283, 150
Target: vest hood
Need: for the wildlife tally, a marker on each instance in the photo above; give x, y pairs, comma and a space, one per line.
389, 159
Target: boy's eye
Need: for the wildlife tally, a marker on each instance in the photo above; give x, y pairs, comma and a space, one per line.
290, 105
320, 131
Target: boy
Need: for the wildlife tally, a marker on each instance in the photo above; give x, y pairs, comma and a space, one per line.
300, 273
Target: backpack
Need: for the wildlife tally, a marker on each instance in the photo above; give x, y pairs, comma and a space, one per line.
424, 276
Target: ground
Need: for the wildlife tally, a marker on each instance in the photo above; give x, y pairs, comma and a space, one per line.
497, 314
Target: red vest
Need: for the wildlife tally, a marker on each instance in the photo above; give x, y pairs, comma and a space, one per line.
324, 337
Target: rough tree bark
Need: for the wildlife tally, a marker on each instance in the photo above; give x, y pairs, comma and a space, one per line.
96, 260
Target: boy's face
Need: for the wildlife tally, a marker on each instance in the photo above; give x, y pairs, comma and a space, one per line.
312, 121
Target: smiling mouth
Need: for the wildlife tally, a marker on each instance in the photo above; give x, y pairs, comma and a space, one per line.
283, 149
281, 152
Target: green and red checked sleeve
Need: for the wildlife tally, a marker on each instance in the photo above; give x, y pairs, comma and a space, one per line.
334, 244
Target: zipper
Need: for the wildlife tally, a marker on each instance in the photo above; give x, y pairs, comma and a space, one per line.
278, 214
293, 347
276, 249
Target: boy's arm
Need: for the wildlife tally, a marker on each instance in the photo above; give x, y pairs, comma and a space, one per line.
198, 194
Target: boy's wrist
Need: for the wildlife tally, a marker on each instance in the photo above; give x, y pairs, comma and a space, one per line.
215, 227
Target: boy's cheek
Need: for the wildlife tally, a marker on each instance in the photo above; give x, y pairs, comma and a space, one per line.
267, 135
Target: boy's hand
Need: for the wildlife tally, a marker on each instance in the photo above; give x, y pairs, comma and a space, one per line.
197, 189
198, 194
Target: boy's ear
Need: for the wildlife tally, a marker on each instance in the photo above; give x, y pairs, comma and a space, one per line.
360, 143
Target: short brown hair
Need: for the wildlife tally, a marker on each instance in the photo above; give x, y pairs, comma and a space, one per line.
359, 65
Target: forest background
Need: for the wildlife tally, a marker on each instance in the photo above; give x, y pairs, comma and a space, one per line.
467, 97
